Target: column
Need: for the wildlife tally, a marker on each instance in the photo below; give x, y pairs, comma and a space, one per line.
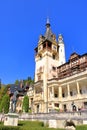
53, 92
40, 107
78, 90
60, 97
48, 93
34, 93
60, 92
68, 88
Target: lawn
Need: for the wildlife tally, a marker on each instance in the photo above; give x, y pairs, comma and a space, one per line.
27, 125
34, 125
81, 127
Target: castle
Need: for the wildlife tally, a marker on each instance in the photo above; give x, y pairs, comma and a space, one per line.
59, 85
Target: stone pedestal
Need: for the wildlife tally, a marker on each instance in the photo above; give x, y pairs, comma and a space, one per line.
70, 128
52, 123
11, 119
85, 122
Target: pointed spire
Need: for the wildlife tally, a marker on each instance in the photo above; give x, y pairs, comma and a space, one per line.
48, 23
48, 33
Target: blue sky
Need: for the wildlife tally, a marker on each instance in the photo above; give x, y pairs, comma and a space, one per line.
21, 23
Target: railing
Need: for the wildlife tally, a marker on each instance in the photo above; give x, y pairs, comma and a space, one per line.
55, 116
73, 97
53, 99
79, 115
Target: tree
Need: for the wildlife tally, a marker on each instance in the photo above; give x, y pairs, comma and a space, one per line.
4, 106
3, 91
17, 82
6, 89
28, 81
25, 104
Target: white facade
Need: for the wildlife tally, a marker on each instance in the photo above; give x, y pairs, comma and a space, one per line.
59, 85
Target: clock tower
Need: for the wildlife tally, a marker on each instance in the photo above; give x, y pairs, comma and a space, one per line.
49, 54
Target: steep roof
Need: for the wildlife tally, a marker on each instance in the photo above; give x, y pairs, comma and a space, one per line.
48, 35
21, 91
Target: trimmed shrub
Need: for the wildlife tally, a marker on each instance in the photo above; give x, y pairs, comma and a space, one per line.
26, 104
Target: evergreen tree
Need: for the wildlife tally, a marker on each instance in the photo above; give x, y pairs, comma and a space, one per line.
3, 91
4, 106
25, 104
17, 82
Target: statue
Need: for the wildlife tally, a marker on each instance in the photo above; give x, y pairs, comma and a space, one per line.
18, 91
13, 101
73, 107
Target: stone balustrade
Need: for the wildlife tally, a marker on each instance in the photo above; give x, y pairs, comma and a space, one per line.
56, 115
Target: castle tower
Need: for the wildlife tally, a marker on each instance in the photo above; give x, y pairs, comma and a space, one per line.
62, 59
48, 57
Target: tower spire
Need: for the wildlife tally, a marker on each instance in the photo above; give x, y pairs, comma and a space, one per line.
48, 33
48, 23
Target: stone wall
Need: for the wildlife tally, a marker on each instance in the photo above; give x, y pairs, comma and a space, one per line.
56, 120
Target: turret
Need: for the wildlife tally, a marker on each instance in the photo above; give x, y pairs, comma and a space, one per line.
61, 50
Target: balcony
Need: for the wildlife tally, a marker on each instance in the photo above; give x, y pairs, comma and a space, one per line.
74, 97
38, 97
55, 99
38, 83
75, 69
